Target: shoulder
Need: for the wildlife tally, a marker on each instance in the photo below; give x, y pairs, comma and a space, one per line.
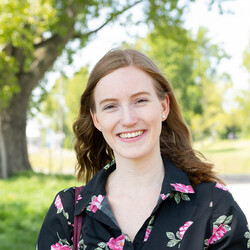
66, 195
64, 201
213, 190
219, 198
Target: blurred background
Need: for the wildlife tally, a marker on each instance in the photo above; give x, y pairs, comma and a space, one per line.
47, 49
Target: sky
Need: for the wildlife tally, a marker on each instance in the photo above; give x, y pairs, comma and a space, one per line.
230, 31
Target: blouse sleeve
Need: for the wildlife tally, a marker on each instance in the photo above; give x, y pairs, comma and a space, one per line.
57, 227
228, 224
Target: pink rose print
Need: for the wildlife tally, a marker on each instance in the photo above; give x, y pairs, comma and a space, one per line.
179, 235
116, 244
221, 186
58, 246
148, 231
184, 228
220, 227
164, 196
58, 204
183, 188
218, 233
78, 198
96, 203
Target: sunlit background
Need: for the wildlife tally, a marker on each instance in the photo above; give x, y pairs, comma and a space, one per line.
203, 49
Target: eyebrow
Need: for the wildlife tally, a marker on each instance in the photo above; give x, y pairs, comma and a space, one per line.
132, 96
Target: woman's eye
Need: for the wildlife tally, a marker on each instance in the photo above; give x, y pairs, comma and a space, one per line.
141, 100
108, 107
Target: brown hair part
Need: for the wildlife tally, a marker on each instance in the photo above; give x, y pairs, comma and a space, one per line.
93, 152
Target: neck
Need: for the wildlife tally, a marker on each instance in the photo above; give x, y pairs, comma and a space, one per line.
136, 175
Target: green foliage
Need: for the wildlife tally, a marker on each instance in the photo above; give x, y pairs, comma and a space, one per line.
23, 24
75, 88
25, 199
8, 82
242, 122
190, 64
243, 111
65, 97
30, 30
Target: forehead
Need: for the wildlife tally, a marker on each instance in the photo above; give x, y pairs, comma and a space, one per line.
124, 81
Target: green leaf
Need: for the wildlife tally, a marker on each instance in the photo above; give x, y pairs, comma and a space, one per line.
220, 220
127, 238
185, 197
177, 198
205, 242
102, 244
247, 235
172, 243
178, 235
170, 235
228, 228
229, 219
66, 215
64, 242
248, 244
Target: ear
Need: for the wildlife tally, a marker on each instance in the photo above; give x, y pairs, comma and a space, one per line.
95, 120
165, 107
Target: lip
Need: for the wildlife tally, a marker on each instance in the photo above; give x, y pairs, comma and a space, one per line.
132, 139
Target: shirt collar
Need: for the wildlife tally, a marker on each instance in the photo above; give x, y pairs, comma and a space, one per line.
174, 180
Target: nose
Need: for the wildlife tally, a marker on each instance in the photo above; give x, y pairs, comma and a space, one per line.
128, 117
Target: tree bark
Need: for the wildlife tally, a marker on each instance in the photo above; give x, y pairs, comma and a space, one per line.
3, 157
13, 144
13, 130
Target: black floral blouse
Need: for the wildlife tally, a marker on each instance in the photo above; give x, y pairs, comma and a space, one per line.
188, 218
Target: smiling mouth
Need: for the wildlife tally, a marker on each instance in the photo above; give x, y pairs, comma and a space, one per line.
131, 135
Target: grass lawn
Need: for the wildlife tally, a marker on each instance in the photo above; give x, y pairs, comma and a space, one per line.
25, 199
229, 156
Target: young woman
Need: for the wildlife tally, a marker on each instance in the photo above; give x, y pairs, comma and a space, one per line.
146, 186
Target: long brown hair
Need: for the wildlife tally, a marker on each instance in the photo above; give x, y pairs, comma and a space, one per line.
92, 150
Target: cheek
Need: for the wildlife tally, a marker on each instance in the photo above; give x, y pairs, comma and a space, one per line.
154, 115
107, 123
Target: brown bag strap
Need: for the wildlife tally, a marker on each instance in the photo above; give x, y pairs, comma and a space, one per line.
77, 222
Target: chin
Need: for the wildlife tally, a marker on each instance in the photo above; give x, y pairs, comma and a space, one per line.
133, 155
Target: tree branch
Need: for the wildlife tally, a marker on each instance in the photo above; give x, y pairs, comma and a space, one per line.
112, 17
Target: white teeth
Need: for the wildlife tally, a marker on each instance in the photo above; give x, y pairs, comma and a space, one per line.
131, 135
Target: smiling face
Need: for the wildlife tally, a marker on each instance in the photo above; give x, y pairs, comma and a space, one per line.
129, 113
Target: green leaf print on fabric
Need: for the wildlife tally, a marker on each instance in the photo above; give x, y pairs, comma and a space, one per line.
149, 228
220, 228
81, 245
101, 246
106, 167
61, 244
247, 236
179, 235
178, 196
59, 207
95, 203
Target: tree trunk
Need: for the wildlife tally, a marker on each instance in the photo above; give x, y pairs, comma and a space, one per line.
3, 157
13, 130
13, 118
13, 145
